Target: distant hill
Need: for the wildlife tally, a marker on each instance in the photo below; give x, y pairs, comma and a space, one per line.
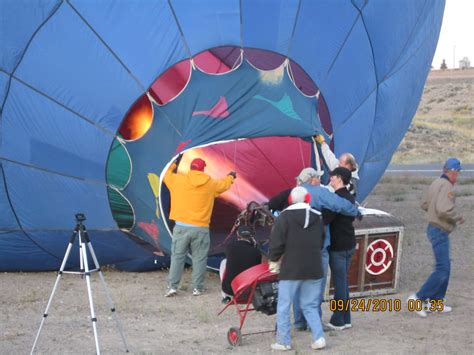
444, 123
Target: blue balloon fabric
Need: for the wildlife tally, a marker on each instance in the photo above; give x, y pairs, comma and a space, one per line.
70, 71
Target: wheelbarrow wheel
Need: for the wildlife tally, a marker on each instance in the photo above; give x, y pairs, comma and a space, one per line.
234, 336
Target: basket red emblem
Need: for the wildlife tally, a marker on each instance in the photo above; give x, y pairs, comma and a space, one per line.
379, 257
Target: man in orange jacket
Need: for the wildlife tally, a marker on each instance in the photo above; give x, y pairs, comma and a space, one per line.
192, 201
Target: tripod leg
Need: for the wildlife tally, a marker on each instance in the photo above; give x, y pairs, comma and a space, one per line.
81, 262
107, 293
58, 277
89, 290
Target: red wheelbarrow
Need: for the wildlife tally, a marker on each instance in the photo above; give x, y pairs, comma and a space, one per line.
255, 289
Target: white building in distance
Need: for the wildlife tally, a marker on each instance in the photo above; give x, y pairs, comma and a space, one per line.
464, 63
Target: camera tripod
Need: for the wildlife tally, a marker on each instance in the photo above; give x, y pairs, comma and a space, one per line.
84, 244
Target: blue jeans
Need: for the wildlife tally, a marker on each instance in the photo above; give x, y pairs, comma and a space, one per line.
437, 284
300, 321
308, 292
340, 261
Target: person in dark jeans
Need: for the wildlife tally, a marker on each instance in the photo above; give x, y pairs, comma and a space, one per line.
342, 248
241, 254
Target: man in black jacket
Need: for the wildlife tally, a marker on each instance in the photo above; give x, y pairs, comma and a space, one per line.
295, 243
342, 248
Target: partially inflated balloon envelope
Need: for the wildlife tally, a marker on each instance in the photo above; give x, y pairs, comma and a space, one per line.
97, 98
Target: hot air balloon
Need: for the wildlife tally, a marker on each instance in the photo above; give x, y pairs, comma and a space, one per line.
97, 98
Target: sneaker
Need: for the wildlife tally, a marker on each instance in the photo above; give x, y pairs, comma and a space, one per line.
446, 308
171, 292
226, 299
347, 326
422, 313
335, 327
197, 292
318, 344
280, 347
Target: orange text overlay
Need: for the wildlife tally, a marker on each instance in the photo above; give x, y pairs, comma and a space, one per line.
385, 305
366, 305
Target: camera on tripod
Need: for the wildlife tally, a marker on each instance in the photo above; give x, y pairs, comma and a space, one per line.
80, 217
85, 250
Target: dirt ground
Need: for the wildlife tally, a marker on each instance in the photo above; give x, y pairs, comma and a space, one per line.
187, 324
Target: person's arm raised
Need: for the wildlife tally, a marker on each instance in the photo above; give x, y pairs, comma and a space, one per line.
224, 184
329, 157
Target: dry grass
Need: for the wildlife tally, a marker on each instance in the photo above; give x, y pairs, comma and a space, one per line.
398, 188
465, 181
465, 193
405, 180
443, 125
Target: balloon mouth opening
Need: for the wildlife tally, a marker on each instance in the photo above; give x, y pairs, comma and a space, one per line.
265, 166
220, 157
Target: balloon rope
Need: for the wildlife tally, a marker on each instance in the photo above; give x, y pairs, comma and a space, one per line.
235, 167
301, 154
239, 58
225, 156
290, 42
241, 26
316, 156
181, 32
290, 72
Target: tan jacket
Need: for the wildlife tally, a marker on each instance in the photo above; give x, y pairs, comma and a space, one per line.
439, 203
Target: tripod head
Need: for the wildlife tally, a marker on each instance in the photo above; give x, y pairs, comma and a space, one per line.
80, 217
80, 227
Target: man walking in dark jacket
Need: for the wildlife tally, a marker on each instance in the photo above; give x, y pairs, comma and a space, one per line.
295, 243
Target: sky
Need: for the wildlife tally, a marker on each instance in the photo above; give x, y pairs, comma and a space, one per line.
457, 31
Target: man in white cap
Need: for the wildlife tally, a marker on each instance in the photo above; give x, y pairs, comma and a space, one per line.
321, 198
295, 243
439, 203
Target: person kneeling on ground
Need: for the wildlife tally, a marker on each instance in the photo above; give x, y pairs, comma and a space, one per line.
241, 254
295, 242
